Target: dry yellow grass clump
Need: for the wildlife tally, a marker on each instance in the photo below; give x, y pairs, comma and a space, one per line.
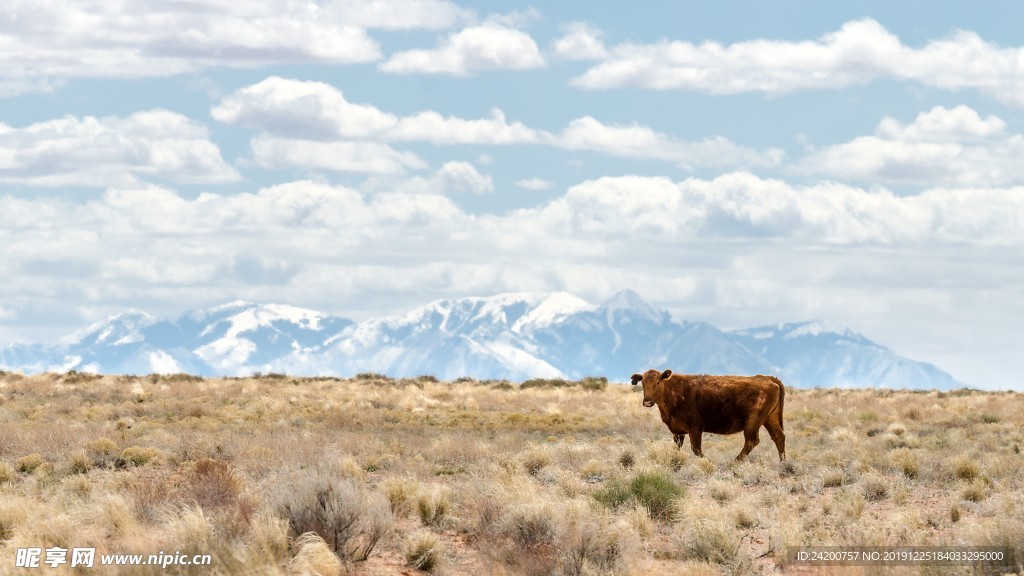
372, 475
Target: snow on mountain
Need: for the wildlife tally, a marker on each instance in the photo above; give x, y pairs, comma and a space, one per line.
485, 337
513, 336
819, 353
119, 330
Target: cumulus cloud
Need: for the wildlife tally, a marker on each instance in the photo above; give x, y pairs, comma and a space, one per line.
105, 151
732, 241
124, 39
639, 141
581, 41
451, 178
397, 14
319, 111
534, 184
462, 177
490, 46
360, 157
941, 147
859, 52
743, 206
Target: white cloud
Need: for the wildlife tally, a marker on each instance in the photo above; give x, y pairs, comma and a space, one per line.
534, 184
741, 247
859, 52
638, 141
318, 111
361, 157
397, 14
433, 127
125, 39
742, 206
942, 147
489, 46
581, 41
312, 110
452, 178
107, 151
463, 177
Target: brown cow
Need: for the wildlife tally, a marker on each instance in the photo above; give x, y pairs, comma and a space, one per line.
717, 404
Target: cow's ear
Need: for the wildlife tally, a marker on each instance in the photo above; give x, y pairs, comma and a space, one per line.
636, 378
666, 374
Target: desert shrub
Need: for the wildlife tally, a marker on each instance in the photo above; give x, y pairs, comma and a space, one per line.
594, 383
424, 551
591, 544
626, 459
656, 491
535, 460
976, 491
715, 542
706, 466
401, 493
614, 493
313, 556
102, 451
150, 493
833, 477
531, 525
213, 484
77, 485
667, 454
74, 377
351, 521
964, 468
137, 456
433, 507
269, 376
370, 376
721, 491
28, 464
79, 463
7, 472
544, 383
174, 378
905, 460
874, 487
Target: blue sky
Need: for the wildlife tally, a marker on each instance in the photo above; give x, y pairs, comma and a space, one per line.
740, 163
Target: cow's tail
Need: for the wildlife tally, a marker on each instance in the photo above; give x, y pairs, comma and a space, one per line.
782, 399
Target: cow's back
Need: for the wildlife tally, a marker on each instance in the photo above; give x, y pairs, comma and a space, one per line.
724, 404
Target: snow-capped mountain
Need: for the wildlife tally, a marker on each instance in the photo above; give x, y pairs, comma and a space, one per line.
492, 337
236, 338
512, 336
813, 352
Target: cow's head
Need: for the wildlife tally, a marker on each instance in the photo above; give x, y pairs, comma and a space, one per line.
652, 383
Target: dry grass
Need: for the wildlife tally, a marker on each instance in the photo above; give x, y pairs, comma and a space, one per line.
374, 475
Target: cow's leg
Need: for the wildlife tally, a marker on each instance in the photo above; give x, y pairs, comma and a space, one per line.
778, 436
679, 439
695, 438
750, 440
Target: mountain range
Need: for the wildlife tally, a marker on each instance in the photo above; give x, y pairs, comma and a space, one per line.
508, 336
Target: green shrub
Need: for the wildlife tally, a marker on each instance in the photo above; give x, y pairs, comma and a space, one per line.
656, 491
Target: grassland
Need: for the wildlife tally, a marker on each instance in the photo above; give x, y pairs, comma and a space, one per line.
415, 475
